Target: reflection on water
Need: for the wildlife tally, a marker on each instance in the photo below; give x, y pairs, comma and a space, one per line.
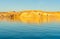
37, 20
17, 30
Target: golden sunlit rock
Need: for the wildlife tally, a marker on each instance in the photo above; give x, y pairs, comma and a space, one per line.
31, 16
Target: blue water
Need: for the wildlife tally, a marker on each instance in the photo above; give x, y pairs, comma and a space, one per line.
17, 30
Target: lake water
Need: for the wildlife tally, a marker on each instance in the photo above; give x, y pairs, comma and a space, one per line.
18, 30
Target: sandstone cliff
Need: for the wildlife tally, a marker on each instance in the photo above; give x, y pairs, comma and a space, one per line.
31, 16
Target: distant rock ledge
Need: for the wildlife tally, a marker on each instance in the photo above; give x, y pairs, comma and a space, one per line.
35, 16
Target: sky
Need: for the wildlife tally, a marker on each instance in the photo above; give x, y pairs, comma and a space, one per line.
18, 5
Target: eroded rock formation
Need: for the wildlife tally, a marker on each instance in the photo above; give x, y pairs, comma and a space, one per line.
31, 16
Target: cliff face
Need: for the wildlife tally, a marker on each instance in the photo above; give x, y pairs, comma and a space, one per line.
31, 16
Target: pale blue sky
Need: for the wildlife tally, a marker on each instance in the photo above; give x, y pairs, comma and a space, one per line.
17, 5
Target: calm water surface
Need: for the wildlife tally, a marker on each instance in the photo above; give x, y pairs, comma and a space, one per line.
17, 30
